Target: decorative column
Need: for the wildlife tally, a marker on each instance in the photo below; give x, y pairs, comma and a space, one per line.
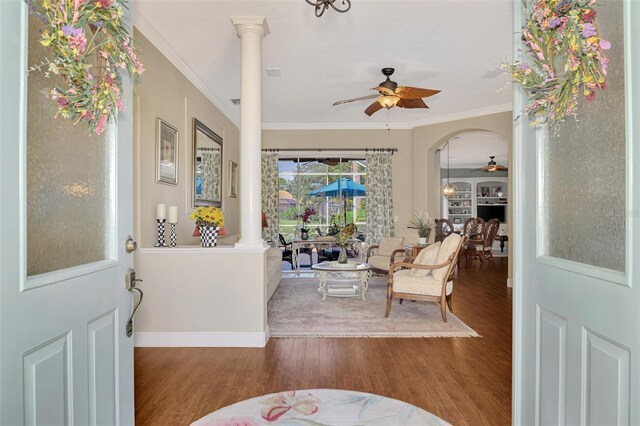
250, 30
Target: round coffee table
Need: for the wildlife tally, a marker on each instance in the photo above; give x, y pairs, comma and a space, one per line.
347, 279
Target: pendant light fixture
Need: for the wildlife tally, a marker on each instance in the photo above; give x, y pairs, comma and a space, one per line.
341, 6
449, 189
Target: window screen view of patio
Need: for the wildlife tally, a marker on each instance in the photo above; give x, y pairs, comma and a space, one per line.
300, 177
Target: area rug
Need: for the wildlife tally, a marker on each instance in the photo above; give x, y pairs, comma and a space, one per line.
320, 407
297, 310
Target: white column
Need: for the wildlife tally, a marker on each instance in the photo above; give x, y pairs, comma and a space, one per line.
250, 30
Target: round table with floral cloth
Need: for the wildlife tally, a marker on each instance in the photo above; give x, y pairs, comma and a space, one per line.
320, 407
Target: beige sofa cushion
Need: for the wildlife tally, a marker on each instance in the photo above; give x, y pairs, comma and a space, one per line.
448, 247
380, 262
403, 282
427, 256
389, 244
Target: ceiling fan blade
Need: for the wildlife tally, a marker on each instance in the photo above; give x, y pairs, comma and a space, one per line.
411, 103
501, 168
373, 108
362, 98
383, 90
406, 92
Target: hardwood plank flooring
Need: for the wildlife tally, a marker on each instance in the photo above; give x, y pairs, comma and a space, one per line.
466, 381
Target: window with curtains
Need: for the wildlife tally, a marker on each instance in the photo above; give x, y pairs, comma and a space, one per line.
300, 177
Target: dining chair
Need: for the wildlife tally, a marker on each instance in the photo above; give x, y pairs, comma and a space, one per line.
444, 228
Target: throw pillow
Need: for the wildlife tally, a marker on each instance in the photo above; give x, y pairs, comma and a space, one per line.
389, 244
448, 247
427, 256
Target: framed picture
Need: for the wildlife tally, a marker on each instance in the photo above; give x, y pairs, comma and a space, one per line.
457, 220
496, 191
233, 179
167, 153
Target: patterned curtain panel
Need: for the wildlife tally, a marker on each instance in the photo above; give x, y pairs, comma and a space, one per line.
379, 196
270, 196
211, 175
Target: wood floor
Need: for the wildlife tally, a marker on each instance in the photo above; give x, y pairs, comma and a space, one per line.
466, 381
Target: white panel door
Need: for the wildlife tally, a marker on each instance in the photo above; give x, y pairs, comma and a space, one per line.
577, 235
65, 214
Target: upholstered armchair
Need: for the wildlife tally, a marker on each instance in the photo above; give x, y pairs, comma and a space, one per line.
382, 256
429, 277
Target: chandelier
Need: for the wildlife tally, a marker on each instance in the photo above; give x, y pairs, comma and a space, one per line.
449, 189
341, 6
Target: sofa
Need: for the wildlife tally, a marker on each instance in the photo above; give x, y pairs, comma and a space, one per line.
274, 263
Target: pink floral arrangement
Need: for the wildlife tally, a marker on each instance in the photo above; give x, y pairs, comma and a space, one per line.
308, 213
566, 59
90, 47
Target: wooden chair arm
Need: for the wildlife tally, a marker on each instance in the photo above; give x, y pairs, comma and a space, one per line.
375, 246
399, 265
393, 255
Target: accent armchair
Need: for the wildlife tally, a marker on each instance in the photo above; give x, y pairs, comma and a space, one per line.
429, 277
382, 256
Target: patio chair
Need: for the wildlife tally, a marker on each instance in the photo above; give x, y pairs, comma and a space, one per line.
287, 253
429, 277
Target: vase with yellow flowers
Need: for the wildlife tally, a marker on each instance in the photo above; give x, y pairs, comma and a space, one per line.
341, 239
209, 220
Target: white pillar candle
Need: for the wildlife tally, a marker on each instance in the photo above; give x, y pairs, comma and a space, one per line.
173, 214
162, 212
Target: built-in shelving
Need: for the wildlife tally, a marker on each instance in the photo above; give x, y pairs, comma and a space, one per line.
477, 197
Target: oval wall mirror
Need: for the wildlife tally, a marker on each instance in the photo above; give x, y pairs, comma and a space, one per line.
207, 166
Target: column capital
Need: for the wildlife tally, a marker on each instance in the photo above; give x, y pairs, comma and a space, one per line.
255, 24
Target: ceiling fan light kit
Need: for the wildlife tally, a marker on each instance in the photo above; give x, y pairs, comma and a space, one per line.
388, 101
340, 6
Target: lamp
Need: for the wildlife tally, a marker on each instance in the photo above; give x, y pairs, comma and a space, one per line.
388, 101
322, 5
449, 189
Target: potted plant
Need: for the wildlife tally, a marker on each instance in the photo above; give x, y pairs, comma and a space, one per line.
209, 220
306, 218
424, 224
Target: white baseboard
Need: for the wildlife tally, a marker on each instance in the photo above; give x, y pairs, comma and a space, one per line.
202, 339
509, 282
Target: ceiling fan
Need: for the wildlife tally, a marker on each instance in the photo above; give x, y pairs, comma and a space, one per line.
390, 95
492, 166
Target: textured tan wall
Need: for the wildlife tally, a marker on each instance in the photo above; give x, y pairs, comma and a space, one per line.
166, 93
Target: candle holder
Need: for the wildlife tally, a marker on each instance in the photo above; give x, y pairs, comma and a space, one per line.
173, 239
161, 233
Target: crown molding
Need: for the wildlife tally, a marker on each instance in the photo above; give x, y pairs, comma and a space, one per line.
151, 33
462, 115
334, 126
395, 126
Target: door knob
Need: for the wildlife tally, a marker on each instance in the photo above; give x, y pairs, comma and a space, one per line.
130, 246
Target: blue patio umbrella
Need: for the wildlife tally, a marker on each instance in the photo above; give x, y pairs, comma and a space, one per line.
347, 187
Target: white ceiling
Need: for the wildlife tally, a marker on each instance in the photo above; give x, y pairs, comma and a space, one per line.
472, 149
441, 44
